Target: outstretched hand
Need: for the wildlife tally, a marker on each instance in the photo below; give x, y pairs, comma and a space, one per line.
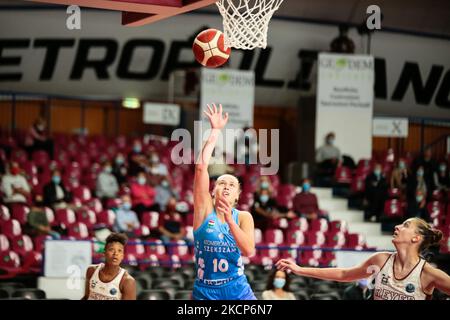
216, 119
288, 265
224, 207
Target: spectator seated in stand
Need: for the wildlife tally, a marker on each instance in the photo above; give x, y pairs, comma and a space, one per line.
399, 177
328, 157
55, 194
143, 195
164, 192
278, 287
126, 219
37, 221
417, 207
171, 224
305, 203
15, 187
265, 209
106, 186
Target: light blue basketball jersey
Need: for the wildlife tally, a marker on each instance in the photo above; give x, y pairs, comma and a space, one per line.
218, 261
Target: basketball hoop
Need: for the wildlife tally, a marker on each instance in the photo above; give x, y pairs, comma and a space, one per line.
245, 22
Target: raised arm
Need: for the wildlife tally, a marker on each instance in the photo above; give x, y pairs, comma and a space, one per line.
202, 198
361, 271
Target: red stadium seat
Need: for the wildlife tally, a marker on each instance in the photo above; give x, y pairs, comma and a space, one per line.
318, 225
150, 219
135, 248
11, 228
274, 236
393, 208
291, 253
299, 224
335, 239
279, 223
310, 257
356, 241
87, 217
343, 175
296, 237
394, 193
65, 217
50, 216
178, 248
78, 230
20, 212
113, 203
156, 248
358, 184
22, 244
338, 225
32, 262
30, 169
4, 243
315, 239
328, 259
39, 242
4, 214
258, 236
106, 218
10, 261
83, 193
269, 250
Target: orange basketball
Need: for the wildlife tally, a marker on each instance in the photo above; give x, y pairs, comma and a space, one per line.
209, 49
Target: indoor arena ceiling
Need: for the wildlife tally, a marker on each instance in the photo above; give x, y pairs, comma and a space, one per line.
417, 16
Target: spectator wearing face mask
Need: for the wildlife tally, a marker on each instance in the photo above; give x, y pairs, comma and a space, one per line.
55, 194
399, 176
305, 203
278, 287
375, 193
416, 183
171, 224
15, 187
126, 219
120, 170
107, 186
164, 193
156, 167
417, 207
442, 178
328, 157
429, 167
143, 195
264, 209
136, 159
264, 183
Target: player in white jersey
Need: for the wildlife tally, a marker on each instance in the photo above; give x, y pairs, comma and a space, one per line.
402, 275
108, 281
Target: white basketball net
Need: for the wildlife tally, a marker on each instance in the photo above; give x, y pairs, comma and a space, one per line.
245, 22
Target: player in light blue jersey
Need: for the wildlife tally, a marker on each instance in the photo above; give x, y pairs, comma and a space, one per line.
222, 234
